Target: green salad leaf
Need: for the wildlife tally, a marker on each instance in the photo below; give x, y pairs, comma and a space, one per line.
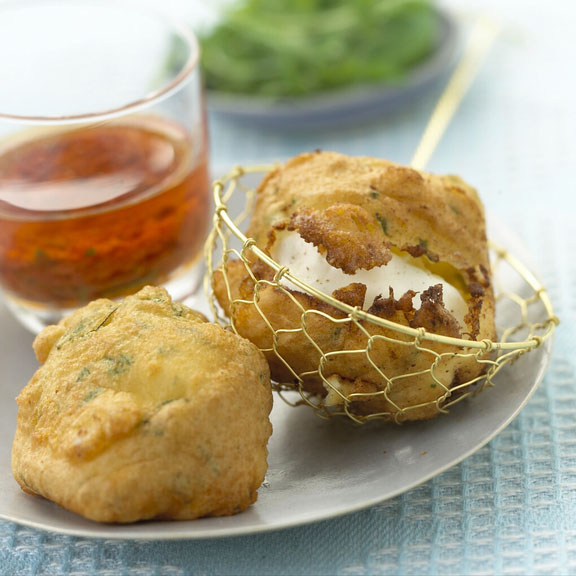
292, 48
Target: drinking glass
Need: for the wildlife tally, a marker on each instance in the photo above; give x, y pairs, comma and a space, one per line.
104, 183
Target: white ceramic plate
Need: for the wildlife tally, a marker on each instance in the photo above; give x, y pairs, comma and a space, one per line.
317, 469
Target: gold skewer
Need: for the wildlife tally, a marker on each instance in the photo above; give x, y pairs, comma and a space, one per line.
481, 39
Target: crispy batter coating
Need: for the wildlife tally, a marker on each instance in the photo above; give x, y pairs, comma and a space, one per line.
142, 409
360, 213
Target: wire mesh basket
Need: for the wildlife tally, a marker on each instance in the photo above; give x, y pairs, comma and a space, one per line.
342, 360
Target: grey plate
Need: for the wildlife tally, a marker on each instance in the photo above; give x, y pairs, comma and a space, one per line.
345, 106
317, 469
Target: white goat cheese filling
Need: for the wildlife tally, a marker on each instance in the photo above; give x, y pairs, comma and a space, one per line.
305, 262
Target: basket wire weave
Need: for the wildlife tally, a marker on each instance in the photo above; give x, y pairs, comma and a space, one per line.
528, 319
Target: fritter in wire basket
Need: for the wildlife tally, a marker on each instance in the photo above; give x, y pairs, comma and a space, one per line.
371, 281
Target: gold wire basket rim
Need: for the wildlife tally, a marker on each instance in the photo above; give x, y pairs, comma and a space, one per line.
420, 334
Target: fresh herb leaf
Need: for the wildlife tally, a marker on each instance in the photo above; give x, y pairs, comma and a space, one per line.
383, 222
92, 394
118, 364
83, 374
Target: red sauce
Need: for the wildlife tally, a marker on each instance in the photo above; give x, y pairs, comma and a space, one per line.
100, 211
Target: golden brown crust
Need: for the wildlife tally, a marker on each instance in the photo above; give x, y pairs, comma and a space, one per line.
346, 234
359, 213
439, 215
144, 410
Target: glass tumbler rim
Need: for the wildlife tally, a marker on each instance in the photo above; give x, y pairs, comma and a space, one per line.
155, 96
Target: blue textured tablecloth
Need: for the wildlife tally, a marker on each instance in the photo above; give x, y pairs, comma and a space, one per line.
511, 507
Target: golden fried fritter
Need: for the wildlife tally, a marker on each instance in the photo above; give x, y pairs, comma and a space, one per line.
377, 225
142, 409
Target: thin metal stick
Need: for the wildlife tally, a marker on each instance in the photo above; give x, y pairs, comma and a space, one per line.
481, 38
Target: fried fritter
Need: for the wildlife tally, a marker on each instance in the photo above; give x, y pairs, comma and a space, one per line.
404, 245
142, 409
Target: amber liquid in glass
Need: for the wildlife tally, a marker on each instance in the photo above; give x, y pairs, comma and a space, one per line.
100, 211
